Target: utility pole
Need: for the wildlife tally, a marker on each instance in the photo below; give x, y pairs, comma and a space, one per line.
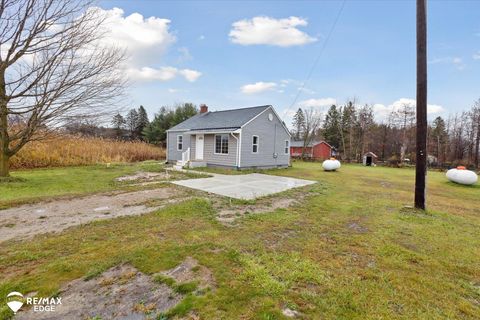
421, 161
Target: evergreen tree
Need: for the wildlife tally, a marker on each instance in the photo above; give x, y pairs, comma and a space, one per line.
118, 123
142, 121
131, 122
439, 138
331, 126
156, 131
363, 131
298, 124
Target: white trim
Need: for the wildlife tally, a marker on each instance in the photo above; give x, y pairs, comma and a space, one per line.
236, 156
180, 135
166, 149
286, 147
240, 149
197, 139
215, 144
257, 144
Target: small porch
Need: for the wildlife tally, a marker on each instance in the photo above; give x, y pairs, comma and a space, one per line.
211, 147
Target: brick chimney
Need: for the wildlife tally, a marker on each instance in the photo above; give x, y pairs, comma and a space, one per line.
203, 108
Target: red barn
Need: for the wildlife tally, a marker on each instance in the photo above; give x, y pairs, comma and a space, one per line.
318, 150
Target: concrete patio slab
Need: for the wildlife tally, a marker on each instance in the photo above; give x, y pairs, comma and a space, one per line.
246, 187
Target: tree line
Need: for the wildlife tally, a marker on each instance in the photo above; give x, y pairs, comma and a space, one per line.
135, 125
353, 130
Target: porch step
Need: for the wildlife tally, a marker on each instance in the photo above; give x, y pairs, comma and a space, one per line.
177, 167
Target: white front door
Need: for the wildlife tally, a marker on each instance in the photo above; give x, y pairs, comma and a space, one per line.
199, 147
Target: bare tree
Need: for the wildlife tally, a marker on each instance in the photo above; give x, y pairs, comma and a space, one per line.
404, 118
53, 68
476, 126
311, 125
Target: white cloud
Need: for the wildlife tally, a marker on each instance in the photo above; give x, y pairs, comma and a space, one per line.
455, 61
190, 75
202, 37
476, 56
306, 90
317, 103
144, 38
382, 112
258, 87
161, 74
270, 31
145, 41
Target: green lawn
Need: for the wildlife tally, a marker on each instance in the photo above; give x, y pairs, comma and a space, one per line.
32, 185
351, 251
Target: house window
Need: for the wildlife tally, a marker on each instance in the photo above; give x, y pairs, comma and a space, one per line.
255, 144
179, 143
221, 143
287, 146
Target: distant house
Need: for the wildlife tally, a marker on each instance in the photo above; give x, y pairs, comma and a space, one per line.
318, 150
253, 137
369, 159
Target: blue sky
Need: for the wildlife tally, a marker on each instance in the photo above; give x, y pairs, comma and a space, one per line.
244, 53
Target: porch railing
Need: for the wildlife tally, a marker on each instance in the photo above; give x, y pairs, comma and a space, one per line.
186, 156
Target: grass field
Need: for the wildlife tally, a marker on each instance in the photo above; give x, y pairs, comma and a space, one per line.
32, 185
350, 251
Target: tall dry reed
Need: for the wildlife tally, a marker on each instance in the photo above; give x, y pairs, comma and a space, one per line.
76, 151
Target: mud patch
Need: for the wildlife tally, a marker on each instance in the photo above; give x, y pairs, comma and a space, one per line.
290, 313
228, 216
191, 271
144, 176
121, 292
357, 227
228, 212
386, 184
28, 220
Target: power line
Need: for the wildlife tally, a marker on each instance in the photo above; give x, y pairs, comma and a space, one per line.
322, 49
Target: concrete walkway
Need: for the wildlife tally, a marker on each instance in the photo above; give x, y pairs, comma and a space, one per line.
246, 187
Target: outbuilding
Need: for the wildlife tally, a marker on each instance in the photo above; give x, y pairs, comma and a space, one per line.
369, 159
317, 150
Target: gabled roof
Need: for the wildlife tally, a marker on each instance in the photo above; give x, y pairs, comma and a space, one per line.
225, 119
370, 153
299, 143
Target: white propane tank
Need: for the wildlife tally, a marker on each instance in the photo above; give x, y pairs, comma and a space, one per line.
331, 164
462, 176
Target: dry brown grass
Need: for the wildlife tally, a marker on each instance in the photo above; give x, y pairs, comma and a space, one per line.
76, 151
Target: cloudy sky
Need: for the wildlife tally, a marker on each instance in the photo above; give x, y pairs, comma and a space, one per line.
239, 54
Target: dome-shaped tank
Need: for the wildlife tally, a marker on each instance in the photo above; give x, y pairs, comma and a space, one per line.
462, 176
331, 164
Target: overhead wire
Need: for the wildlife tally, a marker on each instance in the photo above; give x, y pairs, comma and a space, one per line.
315, 62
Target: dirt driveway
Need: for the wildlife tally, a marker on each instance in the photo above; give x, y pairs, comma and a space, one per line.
28, 220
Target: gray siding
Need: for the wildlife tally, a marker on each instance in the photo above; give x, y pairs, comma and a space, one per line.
211, 158
272, 136
173, 154
193, 143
